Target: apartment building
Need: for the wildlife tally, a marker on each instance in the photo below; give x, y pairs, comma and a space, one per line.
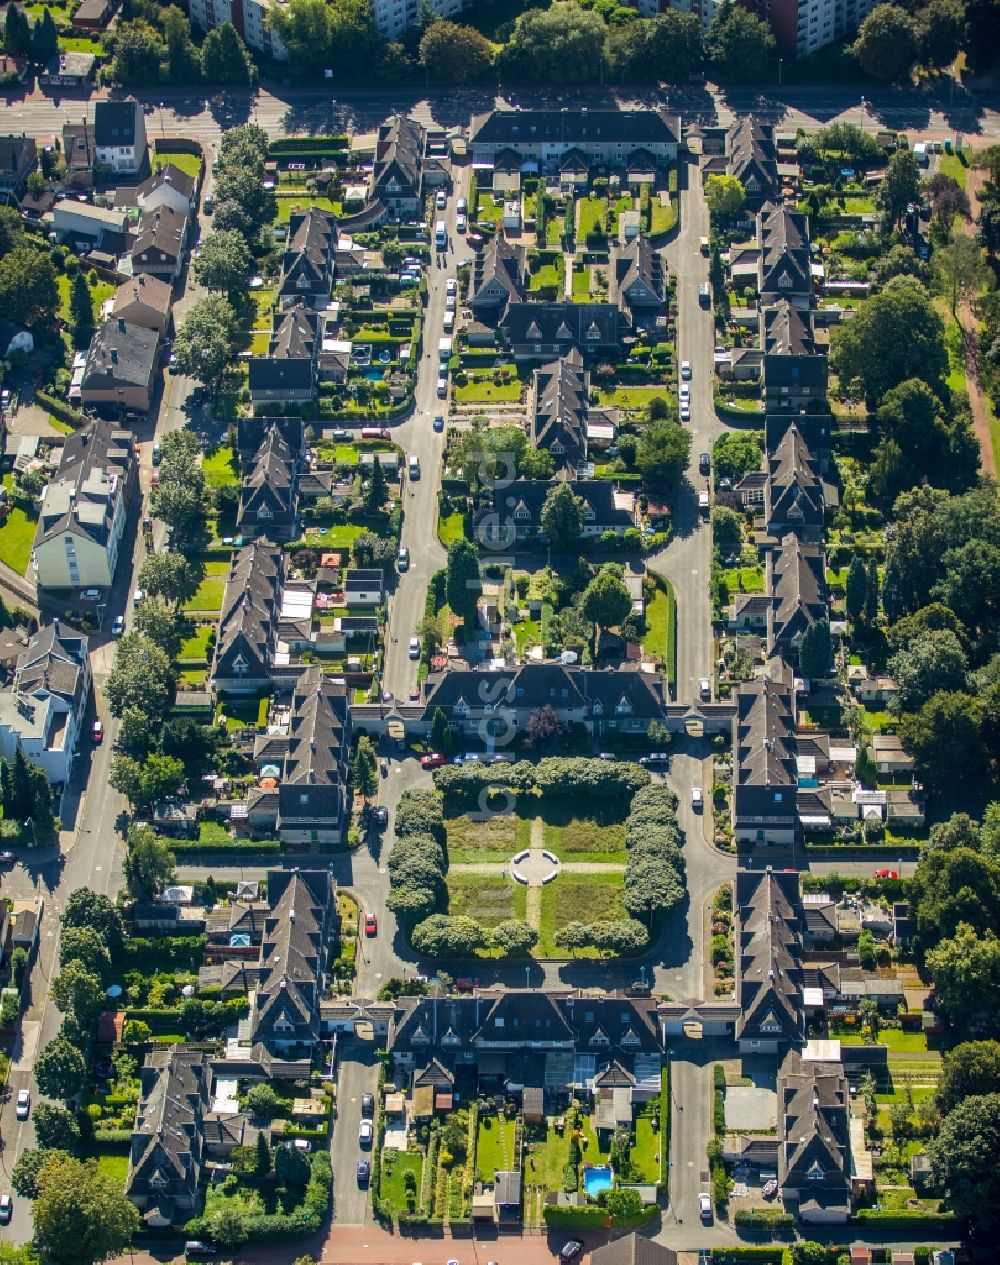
248, 16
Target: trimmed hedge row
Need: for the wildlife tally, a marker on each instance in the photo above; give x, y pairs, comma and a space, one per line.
905, 1218
765, 1219
59, 408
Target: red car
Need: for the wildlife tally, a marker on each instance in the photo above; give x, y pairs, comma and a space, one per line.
433, 761
371, 925
886, 874
97, 732
465, 984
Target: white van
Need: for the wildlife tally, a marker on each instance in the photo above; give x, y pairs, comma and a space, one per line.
414, 467
449, 322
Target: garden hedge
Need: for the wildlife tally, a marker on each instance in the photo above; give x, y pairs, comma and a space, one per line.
764, 1219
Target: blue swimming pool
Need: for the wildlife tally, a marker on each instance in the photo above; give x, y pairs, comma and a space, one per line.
595, 1180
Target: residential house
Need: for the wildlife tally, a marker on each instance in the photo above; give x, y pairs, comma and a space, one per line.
168, 1145
307, 269
160, 240
170, 187
889, 756
814, 1153
120, 136
542, 331
798, 588
13, 70
752, 158
769, 978
394, 20
18, 157
517, 512
144, 300
288, 373
94, 15
79, 155
794, 367
309, 805
364, 586
611, 702
122, 366
398, 170
765, 775
244, 650
42, 712
68, 70
784, 262
499, 278
603, 138
559, 412
84, 509
633, 1249
89, 227
794, 499
269, 490
873, 691
637, 283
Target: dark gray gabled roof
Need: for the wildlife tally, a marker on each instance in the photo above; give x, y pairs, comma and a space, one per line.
270, 479
117, 123
92, 475
122, 355
319, 736
399, 152
795, 489
587, 326
769, 954
54, 660
266, 374
765, 734
307, 266
634, 1249
250, 608
499, 275
167, 1139
814, 1152
752, 155
561, 407
799, 590
168, 175
575, 127
160, 230
637, 276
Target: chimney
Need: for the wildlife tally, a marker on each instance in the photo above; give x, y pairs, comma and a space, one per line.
121, 324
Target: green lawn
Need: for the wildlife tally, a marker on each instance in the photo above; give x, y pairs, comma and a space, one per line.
590, 215
487, 211
526, 633
587, 897
263, 301
581, 284
658, 641
494, 1146
749, 579
583, 837
190, 164
549, 275
211, 590
259, 343
194, 647
300, 202
897, 1040
77, 44
17, 534
395, 1166
219, 468
487, 899
554, 230
99, 292
493, 840
114, 1166
633, 397
663, 217
488, 392
451, 527
213, 832
954, 165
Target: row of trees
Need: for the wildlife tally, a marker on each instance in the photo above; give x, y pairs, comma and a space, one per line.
654, 872
896, 38
156, 46
37, 40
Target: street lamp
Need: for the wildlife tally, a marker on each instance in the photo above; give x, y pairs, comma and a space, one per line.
642, 974
781, 62
163, 122
527, 977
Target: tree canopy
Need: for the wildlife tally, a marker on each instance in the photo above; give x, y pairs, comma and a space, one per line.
82, 1215
896, 335
963, 1158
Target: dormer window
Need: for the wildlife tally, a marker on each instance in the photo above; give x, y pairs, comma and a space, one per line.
461, 708
599, 1038
630, 1039
598, 708
563, 333
815, 1173
593, 334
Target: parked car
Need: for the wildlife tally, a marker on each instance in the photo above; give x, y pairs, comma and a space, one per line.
697, 798
138, 597
461, 224
571, 1250
6, 857
451, 286
685, 411
433, 761
97, 732
366, 1133
704, 463
118, 625
705, 689
196, 1247
886, 874
686, 370
157, 453
403, 558
438, 424
368, 1105
414, 650
466, 984
442, 387
655, 759
381, 815
6, 1209
364, 1172
462, 206
23, 1108
371, 925
441, 201
705, 1206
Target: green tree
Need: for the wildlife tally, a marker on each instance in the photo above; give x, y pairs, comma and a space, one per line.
183, 64
737, 453
149, 863
225, 59
142, 677
971, 1068
77, 991
290, 1166
168, 575
138, 51
961, 270
157, 620
561, 44
953, 887
44, 39
206, 339
262, 1167
444, 936
738, 44
16, 32
900, 185
364, 775
455, 53
856, 589
82, 1215
931, 662
887, 44
514, 938
28, 291
727, 529
262, 1101
941, 29
18, 966
463, 585
86, 908
562, 516
991, 831
56, 1128
24, 1178
815, 650
81, 309
376, 488
440, 731
963, 1158
11, 226
225, 265
228, 1227
944, 738
319, 36
966, 974
60, 1071
84, 944
606, 601
895, 335
663, 452
724, 195
928, 444
137, 1032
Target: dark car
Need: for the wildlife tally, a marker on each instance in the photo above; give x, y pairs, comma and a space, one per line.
571, 1250
368, 1105
364, 1172
6, 1209
705, 463
196, 1248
